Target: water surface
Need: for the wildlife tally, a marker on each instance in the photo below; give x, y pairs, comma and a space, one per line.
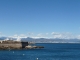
52, 51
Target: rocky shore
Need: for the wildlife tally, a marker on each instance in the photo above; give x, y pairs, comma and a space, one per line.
34, 47
10, 44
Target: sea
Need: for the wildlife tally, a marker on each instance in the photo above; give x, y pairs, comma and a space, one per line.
51, 51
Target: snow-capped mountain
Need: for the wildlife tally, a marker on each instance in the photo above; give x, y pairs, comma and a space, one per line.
44, 40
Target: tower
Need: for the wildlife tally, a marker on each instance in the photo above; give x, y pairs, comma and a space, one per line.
18, 38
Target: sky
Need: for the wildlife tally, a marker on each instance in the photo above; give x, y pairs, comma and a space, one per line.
40, 18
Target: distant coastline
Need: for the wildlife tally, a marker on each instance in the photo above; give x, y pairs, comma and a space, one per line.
45, 40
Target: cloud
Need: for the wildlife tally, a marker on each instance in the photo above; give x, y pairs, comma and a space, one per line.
57, 36
65, 35
78, 37
55, 33
40, 35
23, 36
47, 33
15, 35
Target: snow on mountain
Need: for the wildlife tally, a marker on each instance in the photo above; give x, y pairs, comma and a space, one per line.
44, 40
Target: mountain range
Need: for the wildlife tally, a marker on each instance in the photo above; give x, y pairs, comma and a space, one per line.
45, 40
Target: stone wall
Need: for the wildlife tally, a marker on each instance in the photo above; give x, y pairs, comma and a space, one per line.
13, 45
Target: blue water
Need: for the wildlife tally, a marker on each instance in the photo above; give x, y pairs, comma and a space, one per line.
50, 52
